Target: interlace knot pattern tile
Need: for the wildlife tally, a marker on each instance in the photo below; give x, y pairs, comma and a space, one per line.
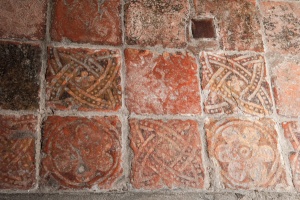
149, 95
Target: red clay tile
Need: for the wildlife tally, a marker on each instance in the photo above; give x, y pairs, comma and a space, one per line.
237, 21
23, 19
91, 21
292, 133
166, 154
235, 83
246, 153
83, 79
152, 22
281, 22
17, 152
286, 78
81, 152
161, 83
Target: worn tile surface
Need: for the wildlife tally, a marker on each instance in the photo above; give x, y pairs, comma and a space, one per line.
166, 154
235, 83
246, 153
281, 21
20, 66
17, 152
23, 19
83, 79
151, 22
89, 21
81, 152
237, 21
286, 78
161, 83
292, 133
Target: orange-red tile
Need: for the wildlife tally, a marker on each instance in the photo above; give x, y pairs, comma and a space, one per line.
161, 83
166, 154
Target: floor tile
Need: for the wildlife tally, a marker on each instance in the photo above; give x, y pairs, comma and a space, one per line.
166, 154
161, 83
83, 79
81, 152
17, 152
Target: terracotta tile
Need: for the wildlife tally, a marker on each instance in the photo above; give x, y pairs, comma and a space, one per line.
17, 152
20, 66
292, 133
161, 83
83, 79
151, 22
286, 78
281, 22
241, 29
166, 154
81, 152
23, 19
246, 153
235, 83
90, 21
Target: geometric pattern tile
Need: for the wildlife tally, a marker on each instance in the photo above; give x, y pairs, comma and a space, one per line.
83, 79
166, 154
234, 83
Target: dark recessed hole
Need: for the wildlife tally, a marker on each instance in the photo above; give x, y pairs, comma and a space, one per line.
203, 28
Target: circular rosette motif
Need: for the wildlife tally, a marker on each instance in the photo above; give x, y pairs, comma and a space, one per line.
247, 154
83, 152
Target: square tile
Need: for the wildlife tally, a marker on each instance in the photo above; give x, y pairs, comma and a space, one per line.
17, 152
235, 83
286, 78
292, 133
150, 23
237, 21
245, 153
281, 22
90, 21
20, 66
23, 19
161, 83
83, 79
81, 152
166, 154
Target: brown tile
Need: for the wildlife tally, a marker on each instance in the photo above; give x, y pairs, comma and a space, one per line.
286, 78
83, 79
20, 66
161, 83
281, 22
235, 83
237, 21
151, 22
23, 19
90, 21
246, 153
81, 152
17, 152
166, 154
292, 133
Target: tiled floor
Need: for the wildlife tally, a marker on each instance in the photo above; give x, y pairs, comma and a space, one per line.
138, 95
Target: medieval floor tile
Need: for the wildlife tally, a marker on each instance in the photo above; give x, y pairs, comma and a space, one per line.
17, 152
150, 22
166, 154
90, 21
83, 79
20, 66
235, 83
246, 153
161, 83
81, 152
23, 19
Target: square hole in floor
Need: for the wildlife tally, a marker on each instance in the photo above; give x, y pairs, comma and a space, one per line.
203, 28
